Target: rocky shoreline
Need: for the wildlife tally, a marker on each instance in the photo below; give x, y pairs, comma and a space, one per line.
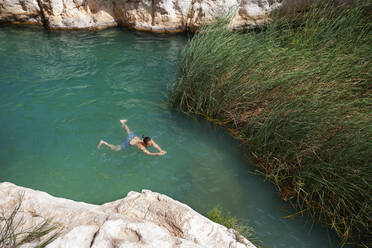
145, 15
145, 219
160, 16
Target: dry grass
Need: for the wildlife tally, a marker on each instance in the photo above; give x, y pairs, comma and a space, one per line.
12, 234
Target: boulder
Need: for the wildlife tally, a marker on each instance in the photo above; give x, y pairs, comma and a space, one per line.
145, 219
20, 11
77, 14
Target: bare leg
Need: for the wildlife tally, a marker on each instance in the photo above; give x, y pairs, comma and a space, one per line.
112, 147
125, 125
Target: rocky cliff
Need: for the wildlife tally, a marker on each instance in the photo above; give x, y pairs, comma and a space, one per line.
141, 220
149, 15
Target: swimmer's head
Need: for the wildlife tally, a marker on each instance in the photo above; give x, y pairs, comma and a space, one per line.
147, 140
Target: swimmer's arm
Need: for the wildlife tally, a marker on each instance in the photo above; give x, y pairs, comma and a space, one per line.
151, 153
157, 147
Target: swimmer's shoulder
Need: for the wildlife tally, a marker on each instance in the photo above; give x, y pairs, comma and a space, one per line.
135, 141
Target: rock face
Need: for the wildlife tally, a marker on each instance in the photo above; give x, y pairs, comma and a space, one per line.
19, 11
149, 15
77, 14
182, 15
145, 219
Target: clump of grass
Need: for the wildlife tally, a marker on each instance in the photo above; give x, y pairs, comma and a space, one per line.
299, 96
226, 219
11, 234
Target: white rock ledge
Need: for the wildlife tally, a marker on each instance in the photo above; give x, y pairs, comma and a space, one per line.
147, 15
145, 219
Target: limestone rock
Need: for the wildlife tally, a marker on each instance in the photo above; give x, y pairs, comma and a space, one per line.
183, 15
149, 15
78, 14
155, 16
141, 220
80, 236
20, 11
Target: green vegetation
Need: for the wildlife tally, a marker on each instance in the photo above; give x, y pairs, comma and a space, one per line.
215, 214
12, 236
298, 95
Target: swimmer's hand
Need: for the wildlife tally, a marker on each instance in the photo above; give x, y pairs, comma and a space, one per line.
123, 121
162, 153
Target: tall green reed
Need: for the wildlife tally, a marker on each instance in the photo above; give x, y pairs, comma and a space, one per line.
298, 95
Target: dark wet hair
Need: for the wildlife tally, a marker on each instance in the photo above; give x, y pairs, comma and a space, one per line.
146, 139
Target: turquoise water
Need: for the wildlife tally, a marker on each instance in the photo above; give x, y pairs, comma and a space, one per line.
61, 92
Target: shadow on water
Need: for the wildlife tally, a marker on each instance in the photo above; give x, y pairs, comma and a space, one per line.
61, 92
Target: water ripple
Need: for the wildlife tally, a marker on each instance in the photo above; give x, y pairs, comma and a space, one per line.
61, 92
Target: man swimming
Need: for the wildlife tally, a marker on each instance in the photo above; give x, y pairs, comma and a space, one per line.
133, 140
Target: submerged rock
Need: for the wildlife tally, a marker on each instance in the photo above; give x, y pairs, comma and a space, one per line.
145, 219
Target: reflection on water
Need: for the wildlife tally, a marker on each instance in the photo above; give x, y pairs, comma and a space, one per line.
61, 92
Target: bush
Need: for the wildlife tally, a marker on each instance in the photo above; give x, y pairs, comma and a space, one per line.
298, 95
215, 214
